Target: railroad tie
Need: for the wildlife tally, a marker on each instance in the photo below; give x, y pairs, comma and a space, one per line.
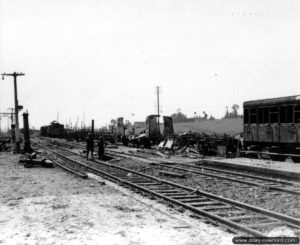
216, 208
261, 225
203, 204
191, 200
239, 218
183, 195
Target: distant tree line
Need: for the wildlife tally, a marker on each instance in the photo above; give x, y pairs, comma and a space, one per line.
181, 117
234, 113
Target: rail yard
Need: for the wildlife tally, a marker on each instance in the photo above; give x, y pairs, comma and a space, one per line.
201, 177
149, 122
178, 174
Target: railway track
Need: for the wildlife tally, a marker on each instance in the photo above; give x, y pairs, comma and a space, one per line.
209, 173
235, 215
227, 176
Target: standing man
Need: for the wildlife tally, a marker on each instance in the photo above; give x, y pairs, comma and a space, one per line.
101, 148
89, 145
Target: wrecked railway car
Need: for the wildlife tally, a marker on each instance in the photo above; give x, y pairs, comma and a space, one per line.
273, 124
81, 134
152, 134
55, 130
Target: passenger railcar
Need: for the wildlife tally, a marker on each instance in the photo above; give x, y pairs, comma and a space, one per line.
273, 123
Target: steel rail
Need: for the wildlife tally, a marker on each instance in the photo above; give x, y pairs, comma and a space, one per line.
210, 175
241, 174
206, 168
231, 179
276, 215
82, 175
281, 189
247, 182
271, 153
229, 172
227, 222
218, 170
267, 213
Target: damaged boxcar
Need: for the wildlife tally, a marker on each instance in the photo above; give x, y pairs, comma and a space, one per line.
151, 135
55, 130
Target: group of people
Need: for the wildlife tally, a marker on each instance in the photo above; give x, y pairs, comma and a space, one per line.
90, 147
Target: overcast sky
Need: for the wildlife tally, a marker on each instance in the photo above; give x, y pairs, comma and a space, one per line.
105, 57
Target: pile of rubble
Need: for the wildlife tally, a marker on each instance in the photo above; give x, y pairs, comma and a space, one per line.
193, 144
31, 160
5, 143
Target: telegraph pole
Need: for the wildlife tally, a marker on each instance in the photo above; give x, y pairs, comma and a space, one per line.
158, 91
15, 75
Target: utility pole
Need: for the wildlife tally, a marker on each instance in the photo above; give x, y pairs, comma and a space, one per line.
84, 120
27, 147
93, 130
133, 129
158, 91
15, 75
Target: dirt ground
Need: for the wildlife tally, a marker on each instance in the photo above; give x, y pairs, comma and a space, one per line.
51, 206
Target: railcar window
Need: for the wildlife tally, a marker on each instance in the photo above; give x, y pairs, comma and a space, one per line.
246, 116
289, 114
261, 115
253, 118
266, 115
297, 114
273, 115
283, 114
274, 118
253, 115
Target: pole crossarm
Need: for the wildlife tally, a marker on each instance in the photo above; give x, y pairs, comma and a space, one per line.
12, 74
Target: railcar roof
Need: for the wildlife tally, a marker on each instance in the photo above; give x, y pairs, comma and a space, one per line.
273, 101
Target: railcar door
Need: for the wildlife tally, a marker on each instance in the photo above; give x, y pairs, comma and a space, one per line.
263, 135
286, 124
296, 134
274, 122
286, 133
253, 124
275, 132
263, 125
247, 133
253, 132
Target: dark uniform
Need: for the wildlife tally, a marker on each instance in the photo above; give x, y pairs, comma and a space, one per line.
89, 146
101, 149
